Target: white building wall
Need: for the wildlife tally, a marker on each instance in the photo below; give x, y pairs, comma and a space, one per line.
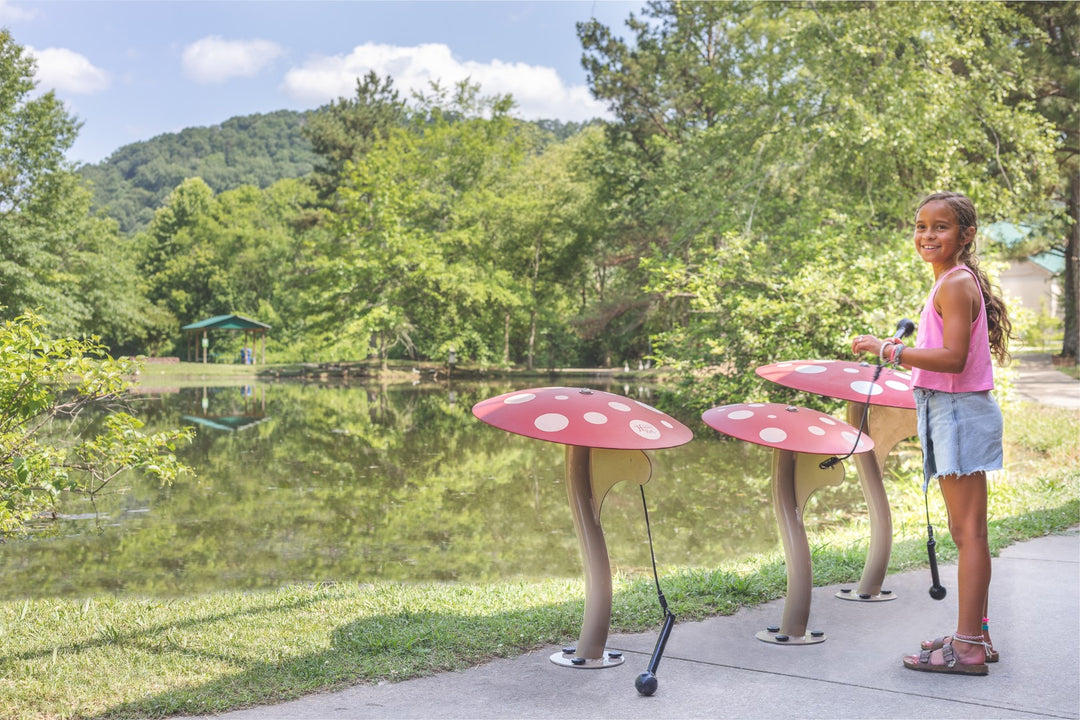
1036, 289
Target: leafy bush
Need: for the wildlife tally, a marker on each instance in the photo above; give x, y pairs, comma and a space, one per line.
45, 382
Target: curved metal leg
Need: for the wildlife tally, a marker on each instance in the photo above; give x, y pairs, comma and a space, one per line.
789, 493
585, 508
887, 426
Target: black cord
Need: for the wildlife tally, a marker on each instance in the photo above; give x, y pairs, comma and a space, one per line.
926, 503
829, 462
656, 575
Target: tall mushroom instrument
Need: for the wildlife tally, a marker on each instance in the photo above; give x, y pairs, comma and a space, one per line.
884, 396
802, 441
606, 436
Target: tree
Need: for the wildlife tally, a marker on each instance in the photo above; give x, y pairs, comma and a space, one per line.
345, 129
246, 251
1053, 64
55, 257
46, 445
34, 134
541, 225
779, 148
182, 275
408, 266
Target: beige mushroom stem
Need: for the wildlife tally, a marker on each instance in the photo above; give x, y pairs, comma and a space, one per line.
887, 426
795, 477
590, 474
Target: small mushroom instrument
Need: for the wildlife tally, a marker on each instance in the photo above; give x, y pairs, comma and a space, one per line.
937, 591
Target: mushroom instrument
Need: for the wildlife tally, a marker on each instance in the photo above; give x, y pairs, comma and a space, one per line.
606, 436
802, 440
883, 396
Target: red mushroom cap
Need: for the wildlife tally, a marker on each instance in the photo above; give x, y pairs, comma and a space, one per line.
844, 380
579, 416
787, 427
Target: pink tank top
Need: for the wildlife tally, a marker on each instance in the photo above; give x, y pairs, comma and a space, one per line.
978, 372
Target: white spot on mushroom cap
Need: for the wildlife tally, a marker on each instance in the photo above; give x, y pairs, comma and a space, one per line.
772, 434
595, 418
551, 422
649, 407
897, 385
866, 388
621, 407
811, 369
518, 399
850, 437
645, 429
740, 414
815, 430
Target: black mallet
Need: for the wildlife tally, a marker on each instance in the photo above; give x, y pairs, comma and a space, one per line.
646, 682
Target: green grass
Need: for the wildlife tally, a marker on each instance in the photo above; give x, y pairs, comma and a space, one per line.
136, 657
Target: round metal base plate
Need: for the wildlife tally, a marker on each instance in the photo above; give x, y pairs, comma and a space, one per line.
848, 594
776, 638
613, 659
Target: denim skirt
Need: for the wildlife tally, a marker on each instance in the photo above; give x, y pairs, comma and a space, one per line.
960, 433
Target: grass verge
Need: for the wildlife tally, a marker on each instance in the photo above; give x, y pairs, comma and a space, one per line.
106, 657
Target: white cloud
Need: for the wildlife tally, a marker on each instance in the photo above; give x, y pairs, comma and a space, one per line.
539, 91
67, 71
10, 13
214, 59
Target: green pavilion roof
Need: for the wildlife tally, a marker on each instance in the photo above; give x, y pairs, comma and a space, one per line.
227, 322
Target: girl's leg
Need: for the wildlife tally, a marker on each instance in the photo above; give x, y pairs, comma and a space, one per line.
965, 499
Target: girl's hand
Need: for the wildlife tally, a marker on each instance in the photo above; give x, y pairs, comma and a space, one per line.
866, 344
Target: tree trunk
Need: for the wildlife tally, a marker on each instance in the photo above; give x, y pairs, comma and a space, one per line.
535, 302
532, 338
506, 341
1071, 280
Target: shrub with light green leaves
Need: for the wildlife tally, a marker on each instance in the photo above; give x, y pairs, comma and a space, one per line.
46, 445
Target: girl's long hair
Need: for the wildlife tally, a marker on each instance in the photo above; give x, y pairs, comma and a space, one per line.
998, 325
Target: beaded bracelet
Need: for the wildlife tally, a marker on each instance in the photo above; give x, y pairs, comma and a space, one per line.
881, 352
897, 355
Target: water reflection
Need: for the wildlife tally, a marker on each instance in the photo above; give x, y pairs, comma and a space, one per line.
228, 414
305, 482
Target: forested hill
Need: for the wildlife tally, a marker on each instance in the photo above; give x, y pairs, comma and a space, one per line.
248, 150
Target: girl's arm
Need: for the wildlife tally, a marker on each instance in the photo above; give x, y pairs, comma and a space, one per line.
958, 302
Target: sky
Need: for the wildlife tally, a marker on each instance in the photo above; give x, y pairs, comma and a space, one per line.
131, 70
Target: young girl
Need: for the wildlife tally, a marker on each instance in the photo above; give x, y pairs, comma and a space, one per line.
960, 424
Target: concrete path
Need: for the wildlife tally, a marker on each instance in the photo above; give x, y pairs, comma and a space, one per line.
1037, 380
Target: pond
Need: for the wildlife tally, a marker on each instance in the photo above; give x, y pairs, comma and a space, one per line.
362, 483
